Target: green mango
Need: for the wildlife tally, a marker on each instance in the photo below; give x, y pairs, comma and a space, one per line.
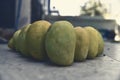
15, 39
10, 44
93, 44
22, 37
35, 39
101, 43
60, 43
82, 44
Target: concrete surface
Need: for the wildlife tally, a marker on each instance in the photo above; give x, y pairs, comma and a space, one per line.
15, 67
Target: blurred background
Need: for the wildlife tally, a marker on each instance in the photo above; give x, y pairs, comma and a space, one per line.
101, 14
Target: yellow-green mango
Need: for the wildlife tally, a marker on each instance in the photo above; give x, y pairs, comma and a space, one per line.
101, 43
10, 44
60, 43
35, 39
15, 39
82, 44
22, 43
93, 44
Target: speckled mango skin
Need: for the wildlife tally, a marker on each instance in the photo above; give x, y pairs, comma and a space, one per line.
60, 43
93, 44
15, 39
35, 39
82, 44
22, 43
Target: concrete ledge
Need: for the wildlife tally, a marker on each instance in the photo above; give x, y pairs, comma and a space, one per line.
97, 22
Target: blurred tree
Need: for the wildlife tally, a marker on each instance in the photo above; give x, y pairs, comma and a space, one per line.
93, 8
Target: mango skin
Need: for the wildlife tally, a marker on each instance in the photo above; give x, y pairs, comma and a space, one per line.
22, 43
60, 43
93, 44
82, 44
35, 39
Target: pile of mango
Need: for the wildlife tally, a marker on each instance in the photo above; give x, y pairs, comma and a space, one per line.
60, 42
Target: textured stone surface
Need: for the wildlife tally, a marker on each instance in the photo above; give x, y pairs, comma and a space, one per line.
15, 67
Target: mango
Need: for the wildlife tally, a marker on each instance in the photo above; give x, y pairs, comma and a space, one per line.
10, 44
60, 43
93, 44
101, 43
35, 39
15, 39
22, 43
82, 44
